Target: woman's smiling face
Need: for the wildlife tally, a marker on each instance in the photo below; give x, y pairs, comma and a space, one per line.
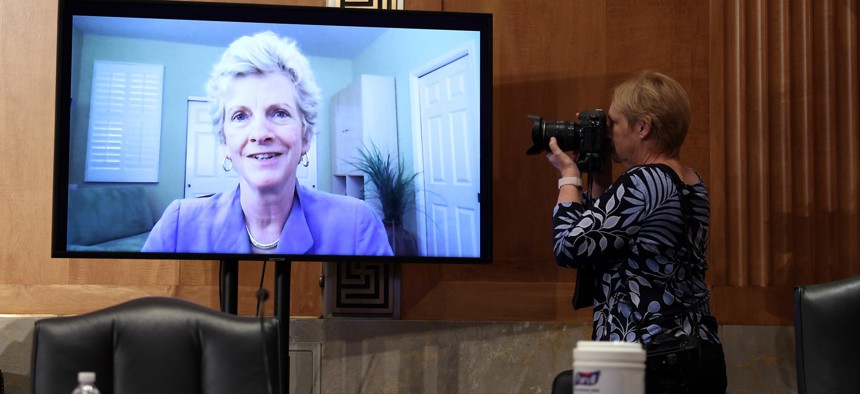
263, 130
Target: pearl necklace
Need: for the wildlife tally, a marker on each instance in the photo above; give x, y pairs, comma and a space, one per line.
260, 245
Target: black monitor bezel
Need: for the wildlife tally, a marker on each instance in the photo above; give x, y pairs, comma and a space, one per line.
267, 14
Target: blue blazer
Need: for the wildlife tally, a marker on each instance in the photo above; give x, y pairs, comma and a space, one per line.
319, 223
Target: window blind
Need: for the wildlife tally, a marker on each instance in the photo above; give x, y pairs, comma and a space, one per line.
124, 135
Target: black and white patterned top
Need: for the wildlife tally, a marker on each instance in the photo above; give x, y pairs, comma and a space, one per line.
649, 279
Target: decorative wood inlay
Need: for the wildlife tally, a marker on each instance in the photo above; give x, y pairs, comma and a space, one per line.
378, 4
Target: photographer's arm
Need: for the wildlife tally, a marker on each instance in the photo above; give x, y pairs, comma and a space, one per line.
566, 166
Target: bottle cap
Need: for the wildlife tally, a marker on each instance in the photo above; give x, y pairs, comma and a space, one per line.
87, 377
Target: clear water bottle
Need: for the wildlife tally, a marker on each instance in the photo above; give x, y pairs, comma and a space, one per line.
86, 383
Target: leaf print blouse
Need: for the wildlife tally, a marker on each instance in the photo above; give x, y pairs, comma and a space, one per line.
647, 247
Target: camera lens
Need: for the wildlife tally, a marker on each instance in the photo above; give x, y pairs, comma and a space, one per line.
588, 138
567, 135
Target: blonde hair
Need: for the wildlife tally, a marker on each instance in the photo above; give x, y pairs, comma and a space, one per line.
264, 53
659, 99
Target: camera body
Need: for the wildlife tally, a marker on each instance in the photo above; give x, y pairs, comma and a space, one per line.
587, 138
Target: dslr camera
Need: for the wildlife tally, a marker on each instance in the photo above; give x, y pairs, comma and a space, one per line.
588, 137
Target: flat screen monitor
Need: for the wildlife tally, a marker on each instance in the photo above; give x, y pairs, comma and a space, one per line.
215, 131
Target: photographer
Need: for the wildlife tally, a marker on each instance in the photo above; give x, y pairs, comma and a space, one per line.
643, 237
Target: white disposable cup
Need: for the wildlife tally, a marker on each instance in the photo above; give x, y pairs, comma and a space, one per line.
608, 368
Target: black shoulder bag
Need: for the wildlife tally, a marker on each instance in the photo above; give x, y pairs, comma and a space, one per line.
672, 364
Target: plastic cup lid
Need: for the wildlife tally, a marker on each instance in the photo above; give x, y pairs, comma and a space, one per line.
611, 351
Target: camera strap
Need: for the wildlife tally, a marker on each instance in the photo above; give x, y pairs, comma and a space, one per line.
583, 292
686, 214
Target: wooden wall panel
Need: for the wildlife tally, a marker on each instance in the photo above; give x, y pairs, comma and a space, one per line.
800, 252
774, 91
554, 59
423, 5
791, 156
775, 95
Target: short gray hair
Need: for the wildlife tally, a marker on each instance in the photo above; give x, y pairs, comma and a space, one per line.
662, 100
259, 54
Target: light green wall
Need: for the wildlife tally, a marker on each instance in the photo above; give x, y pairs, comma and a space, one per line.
182, 78
416, 49
332, 75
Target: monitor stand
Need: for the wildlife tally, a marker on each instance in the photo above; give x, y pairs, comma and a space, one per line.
282, 313
229, 303
229, 286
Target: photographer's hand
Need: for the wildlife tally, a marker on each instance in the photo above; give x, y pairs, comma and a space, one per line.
601, 180
566, 166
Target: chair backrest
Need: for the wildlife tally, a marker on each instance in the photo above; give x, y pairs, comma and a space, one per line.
827, 336
157, 345
563, 382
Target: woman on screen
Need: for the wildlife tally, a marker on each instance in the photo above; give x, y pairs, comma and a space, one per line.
264, 106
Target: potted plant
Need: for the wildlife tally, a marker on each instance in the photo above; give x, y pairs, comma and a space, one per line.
394, 191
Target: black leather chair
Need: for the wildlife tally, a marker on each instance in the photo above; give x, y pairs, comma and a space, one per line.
563, 382
827, 336
157, 345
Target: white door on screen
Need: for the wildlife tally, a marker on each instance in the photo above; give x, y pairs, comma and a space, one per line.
448, 196
203, 157
204, 174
